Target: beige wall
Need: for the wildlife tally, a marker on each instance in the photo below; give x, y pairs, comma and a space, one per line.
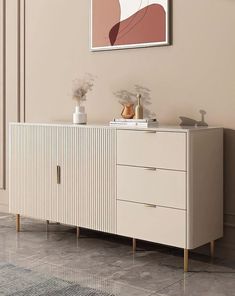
2, 93
9, 103
197, 72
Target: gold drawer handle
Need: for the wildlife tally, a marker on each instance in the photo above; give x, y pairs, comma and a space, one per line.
150, 206
151, 169
150, 132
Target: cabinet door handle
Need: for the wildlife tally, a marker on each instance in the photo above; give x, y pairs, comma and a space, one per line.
58, 174
150, 206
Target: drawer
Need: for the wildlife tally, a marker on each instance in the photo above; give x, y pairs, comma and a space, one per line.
152, 149
158, 187
160, 225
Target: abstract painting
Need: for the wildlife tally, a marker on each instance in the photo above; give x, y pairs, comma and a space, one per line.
117, 24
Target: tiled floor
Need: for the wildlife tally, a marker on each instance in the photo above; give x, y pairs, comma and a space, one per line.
106, 262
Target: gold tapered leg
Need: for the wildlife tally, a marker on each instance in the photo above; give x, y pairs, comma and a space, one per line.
212, 248
134, 245
186, 260
18, 223
78, 232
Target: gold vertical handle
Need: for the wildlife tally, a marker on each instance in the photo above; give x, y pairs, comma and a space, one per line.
58, 174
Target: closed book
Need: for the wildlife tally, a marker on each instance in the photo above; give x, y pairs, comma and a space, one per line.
135, 120
133, 124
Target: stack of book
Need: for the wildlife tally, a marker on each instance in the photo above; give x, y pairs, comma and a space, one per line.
145, 123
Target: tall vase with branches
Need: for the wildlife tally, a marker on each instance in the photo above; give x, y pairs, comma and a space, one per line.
80, 89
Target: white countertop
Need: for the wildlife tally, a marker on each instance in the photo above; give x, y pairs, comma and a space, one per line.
175, 128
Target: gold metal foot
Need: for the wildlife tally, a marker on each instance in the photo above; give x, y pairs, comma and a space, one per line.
18, 223
186, 252
212, 249
78, 232
134, 245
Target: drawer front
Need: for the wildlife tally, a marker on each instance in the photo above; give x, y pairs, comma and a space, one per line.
152, 149
160, 225
158, 187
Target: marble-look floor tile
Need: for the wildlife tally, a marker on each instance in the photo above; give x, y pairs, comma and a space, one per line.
85, 279
221, 266
106, 262
18, 260
206, 284
103, 265
151, 276
157, 271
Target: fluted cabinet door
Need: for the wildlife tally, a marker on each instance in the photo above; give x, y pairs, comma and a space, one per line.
33, 159
68, 147
97, 178
87, 189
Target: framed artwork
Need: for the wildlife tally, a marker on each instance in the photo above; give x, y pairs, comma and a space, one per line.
119, 24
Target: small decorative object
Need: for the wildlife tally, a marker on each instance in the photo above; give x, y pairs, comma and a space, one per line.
81, 88
128, 111
125, 96
79, 116
186, 121
202, 121
121, 24
139, 112
142, 123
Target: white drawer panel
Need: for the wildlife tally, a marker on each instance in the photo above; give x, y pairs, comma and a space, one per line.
160, 225
152, 149
158, 187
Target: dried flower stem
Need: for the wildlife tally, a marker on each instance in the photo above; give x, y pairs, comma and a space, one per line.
82, 87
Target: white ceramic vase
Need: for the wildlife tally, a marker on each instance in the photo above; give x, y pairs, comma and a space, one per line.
79, 116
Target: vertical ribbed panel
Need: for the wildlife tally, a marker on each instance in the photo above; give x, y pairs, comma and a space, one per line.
33, 188
87, 194
68, 160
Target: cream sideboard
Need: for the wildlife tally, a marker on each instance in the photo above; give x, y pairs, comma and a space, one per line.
163, 185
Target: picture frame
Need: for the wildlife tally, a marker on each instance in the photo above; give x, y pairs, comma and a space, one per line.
125, 24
